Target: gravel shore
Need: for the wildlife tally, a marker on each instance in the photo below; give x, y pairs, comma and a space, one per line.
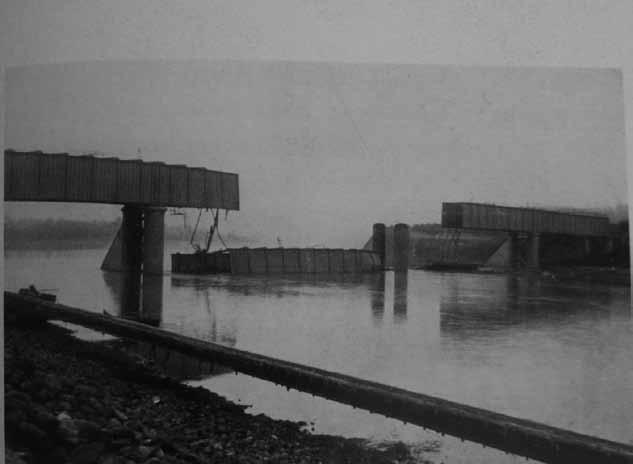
68, 400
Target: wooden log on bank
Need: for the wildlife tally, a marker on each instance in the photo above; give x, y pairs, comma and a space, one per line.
513, 435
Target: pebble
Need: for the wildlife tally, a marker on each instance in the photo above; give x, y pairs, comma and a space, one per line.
88, 430
64, 408
87, 454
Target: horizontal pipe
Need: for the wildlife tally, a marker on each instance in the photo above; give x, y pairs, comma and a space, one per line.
513, 435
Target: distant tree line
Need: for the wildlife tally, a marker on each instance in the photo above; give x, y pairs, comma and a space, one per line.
58, 229
21, 231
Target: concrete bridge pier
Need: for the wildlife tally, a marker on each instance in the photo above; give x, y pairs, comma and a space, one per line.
153, 240
516, 253
379, 242
137, 250
139, 244
587, 246
533, 255
401, 247
609, 245
513, 250
125, 253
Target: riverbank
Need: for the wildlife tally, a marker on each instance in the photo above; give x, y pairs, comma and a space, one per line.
68, 400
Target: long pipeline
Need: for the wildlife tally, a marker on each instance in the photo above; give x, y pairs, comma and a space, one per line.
513, 435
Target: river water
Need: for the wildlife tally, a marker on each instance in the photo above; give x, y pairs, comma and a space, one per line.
531, 347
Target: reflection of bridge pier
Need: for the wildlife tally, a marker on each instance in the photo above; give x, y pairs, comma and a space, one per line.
139, 297
400, 296
152, 300
377, 292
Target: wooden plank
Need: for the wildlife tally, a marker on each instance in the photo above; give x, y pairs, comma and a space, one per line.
514, 435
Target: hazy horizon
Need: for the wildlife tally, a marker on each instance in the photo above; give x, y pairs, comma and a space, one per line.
324, 150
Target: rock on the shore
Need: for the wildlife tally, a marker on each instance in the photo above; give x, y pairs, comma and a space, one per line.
68, 400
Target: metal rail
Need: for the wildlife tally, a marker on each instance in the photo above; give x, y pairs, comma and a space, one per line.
517, 436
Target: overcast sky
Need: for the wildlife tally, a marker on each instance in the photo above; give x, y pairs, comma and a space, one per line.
324, 150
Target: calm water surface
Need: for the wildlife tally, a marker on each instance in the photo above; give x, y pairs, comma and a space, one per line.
558, 353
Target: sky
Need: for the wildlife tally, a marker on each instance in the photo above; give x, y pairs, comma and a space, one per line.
556, 34
324, 150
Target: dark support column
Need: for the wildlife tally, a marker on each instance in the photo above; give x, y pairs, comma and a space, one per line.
125, 254
587, 244
131, 239
609, 245
534, 244
153, 240
401, 247
379, 242
513, 258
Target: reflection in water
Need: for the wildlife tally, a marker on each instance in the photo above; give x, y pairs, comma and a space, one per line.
377, 290
225, 337
279, 285
125, 292
511, 302
174, 364
152, 300
555, 352
400, 296
140, 298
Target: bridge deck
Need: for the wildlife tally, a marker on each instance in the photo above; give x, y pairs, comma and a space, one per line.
504, 218
37, 176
